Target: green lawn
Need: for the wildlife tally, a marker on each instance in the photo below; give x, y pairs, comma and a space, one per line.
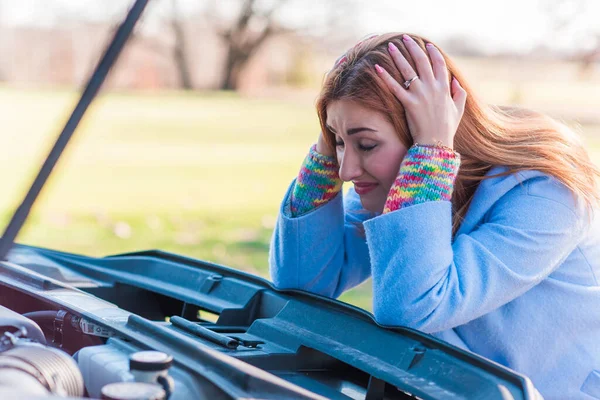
197, 174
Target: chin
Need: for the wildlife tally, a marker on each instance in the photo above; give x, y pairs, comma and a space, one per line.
372, 205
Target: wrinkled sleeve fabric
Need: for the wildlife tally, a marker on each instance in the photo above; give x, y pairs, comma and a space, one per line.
323, 251
424, 280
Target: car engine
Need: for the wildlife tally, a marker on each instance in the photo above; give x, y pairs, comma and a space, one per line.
34, 366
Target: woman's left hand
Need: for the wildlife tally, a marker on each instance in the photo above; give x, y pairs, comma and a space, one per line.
433, 106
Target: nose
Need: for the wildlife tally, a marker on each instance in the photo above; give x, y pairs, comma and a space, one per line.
350, 165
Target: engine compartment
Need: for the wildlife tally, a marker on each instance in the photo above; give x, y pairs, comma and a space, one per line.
229, 334
46, 352
90, 356
49, 351
35, 315
29, 365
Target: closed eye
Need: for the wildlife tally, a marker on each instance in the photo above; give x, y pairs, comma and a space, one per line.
367, 148
360, 146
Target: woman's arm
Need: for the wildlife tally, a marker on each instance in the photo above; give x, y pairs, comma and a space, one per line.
427, 173
317, 183
424, 279
427, 282
324, 250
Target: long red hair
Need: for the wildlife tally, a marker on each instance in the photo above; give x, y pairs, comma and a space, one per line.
488, 135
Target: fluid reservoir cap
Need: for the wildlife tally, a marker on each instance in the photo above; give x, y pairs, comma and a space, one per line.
150, 361
133, 391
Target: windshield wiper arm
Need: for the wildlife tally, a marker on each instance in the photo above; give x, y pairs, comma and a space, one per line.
88, 95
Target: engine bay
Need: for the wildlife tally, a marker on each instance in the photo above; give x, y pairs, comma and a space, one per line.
48, 349
46, 352
161, 326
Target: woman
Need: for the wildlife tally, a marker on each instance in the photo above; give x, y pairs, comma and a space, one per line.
475, 222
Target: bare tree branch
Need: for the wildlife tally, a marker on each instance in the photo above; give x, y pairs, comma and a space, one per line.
180, 54
243, 40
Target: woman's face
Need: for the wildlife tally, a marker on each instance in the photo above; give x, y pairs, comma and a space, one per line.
369, 151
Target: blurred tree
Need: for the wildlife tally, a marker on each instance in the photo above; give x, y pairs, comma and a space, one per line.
180, 54
254, 22
589, 57
564, 16
250, 29
166, 42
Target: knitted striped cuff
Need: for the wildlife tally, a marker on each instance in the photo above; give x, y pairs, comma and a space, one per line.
317, 183
427, 173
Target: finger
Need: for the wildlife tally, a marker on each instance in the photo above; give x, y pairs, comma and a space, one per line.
440, 71
398, 91
459, 95
420, 58
402, 64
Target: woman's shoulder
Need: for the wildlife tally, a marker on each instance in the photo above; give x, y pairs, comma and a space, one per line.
501, 186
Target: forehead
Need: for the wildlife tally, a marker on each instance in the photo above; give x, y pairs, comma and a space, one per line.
348, 114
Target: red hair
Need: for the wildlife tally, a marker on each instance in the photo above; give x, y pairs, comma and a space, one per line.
488, 135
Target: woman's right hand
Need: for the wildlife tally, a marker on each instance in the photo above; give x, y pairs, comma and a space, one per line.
323, 148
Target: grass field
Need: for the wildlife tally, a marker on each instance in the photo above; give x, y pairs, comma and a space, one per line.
198, 174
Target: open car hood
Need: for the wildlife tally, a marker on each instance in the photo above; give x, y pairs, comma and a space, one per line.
293, 344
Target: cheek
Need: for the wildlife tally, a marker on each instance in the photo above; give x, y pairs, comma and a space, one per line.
385, 168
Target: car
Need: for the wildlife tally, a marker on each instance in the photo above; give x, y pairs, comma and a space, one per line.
155, 325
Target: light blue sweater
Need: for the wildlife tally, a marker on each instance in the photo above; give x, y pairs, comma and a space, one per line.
518, 284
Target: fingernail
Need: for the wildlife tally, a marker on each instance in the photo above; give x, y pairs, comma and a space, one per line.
392, 47
405, 37
429, 46
378, 68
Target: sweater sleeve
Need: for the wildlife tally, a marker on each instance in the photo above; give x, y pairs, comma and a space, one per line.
317, 183
427, 173
428, 282
323, 251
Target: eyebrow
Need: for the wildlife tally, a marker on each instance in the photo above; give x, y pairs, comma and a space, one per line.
352, 131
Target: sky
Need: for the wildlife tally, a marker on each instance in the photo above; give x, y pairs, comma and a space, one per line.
503, 25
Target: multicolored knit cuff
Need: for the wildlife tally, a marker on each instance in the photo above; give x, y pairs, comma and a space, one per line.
317, 183
427, 173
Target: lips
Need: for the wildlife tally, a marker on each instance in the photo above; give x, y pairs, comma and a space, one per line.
364, 187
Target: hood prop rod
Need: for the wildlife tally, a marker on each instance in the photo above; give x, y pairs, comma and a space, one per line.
93, 86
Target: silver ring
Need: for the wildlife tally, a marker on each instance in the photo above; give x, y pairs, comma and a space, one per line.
408, 82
